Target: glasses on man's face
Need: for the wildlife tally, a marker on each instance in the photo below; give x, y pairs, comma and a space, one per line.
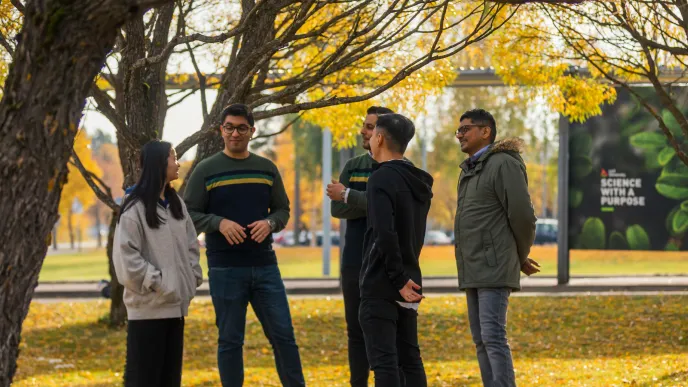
229, 129
465, 128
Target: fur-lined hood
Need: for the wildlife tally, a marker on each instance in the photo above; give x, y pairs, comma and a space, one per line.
511, 144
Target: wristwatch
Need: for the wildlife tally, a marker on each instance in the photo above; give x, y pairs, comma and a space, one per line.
272, 224
343, 195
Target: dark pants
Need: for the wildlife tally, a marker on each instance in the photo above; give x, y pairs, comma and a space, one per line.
358, 359
232, 289
154, 353
487, 309
391, 339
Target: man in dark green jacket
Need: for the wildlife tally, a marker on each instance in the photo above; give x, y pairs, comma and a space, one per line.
495, 229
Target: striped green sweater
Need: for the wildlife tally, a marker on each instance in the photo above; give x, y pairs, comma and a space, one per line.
243, 191
354, 176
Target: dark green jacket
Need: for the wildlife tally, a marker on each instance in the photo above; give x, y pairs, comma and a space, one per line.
495, 220
355, 177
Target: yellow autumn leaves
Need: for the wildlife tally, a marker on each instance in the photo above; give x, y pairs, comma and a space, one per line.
568, 341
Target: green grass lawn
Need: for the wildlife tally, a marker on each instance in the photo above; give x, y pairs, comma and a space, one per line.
556, 341
435, 261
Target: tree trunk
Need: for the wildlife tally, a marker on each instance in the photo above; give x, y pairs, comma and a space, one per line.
62, 46
144, 104
118, 312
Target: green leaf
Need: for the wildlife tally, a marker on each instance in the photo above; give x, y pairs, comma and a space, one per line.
617, 241
593, 234
575, 198
581, 166
637, 238
668, 223
652, 159
679, 223
673, 186
648, 140
684, 206
671, 123
634, 128
581, 144
671, 246
676, 167
666, 155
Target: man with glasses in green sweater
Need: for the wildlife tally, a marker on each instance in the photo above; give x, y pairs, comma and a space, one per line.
238, 200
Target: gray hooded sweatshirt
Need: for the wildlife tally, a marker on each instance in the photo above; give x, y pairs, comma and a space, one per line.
159, 268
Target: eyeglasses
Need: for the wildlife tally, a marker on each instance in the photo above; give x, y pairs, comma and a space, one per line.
229, 129
465, 128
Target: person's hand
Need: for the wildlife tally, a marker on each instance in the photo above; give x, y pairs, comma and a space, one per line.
530, 266
335, 190
260, 229
408, 292
232, 231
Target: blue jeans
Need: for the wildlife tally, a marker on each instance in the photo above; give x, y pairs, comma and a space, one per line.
487, 309
232, 288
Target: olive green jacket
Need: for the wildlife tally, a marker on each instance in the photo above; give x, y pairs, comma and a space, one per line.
495, 220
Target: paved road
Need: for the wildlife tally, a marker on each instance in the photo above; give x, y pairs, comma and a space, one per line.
431, 285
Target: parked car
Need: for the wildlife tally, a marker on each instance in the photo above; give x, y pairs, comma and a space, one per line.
437, 238
546, 231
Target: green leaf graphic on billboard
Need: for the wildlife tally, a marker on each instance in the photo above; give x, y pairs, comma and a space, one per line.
581, 166
581, 144
634, 128
652, 159
675, 167
673, 186
669, 222
684, 206
671, 246
617, 241
679, 223
671, 123
593, 234
637, 238
575, 197
648, 140
666, 155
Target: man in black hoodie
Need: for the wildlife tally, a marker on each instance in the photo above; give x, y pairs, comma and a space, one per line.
398, 197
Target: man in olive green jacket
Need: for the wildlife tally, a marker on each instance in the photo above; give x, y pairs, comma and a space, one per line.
495, 229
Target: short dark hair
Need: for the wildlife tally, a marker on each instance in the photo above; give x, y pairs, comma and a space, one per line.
238, 110
484, 118
397, 129
378, 110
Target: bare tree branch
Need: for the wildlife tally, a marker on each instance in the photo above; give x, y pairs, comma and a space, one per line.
19, 6
195, 139
284, 129
179, 40
104, 193
6, 45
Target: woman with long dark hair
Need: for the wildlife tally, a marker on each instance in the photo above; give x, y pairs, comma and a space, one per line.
156, 258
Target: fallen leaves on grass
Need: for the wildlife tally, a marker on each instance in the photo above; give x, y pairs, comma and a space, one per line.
556, 341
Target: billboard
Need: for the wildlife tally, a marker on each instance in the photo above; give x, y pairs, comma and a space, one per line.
627, 188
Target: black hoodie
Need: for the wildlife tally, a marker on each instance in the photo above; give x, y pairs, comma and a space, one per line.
398, 196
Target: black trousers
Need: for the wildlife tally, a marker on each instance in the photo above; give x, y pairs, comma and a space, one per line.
391, 339
358, 359
154, 353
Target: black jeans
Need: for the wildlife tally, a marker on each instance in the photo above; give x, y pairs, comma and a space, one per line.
358, 359
391, 339
154, 353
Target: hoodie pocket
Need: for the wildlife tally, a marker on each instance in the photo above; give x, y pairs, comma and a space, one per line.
169, 288
488, 249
